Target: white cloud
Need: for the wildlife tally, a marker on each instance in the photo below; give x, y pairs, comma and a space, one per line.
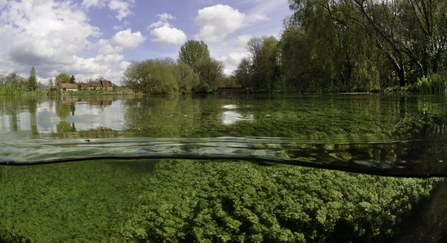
220, 20
127, 39
2, 3
168, 35
165, 16
163, 20
235, 58
242, 40
123, 26
122, 7
50, 31
53, 35
164, 34
122, 40
92, 3
232, 60
108, 59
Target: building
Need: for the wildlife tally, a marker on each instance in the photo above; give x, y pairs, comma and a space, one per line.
68, 87
85, 86
95, 85
92, 85
107, 85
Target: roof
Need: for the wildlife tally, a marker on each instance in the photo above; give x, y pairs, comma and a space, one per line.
95, 84
68, 86
106, 83
83, 85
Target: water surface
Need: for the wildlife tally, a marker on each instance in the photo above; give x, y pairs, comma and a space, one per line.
359, 131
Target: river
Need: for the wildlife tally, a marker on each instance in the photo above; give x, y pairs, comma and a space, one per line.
271, 168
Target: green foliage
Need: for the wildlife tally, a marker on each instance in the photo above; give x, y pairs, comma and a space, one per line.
11, 90
72, 79
210, 72
31, 84
150, 77
433, 84
12, 84
264, 70
368, 45
192, 53
195, 54
186, 78
62, 78
243, 74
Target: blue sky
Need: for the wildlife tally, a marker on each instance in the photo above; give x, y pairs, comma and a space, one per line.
91, 38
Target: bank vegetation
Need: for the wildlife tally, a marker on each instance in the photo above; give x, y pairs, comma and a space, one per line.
325, 46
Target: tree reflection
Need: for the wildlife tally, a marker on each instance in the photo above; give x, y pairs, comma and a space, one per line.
63, 110
32, 109
161, 116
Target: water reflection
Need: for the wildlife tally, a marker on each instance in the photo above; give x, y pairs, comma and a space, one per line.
64, 118
231, 117
347, 129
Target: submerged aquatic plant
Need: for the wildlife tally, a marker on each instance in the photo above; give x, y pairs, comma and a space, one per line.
192, 201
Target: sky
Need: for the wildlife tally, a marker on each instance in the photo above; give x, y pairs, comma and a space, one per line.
92, 38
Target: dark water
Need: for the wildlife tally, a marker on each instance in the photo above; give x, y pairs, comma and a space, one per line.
219, 168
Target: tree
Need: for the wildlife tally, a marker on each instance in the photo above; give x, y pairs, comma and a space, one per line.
360, 42
150, 77
14, 79
243, 74
265, 64
192, 53
62, 78
31, 83
299, 71
195, 54
50, 82
211, 74
72, 79
187, 80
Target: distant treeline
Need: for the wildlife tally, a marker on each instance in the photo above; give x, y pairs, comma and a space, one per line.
194, 71
14, 84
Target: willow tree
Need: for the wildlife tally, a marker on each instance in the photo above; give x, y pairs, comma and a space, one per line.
338, 42
407, 35
411, 33
299, 70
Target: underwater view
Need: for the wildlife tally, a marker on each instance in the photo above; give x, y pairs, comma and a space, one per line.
223, 168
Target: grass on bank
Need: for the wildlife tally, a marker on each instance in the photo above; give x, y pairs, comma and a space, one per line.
433, 84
